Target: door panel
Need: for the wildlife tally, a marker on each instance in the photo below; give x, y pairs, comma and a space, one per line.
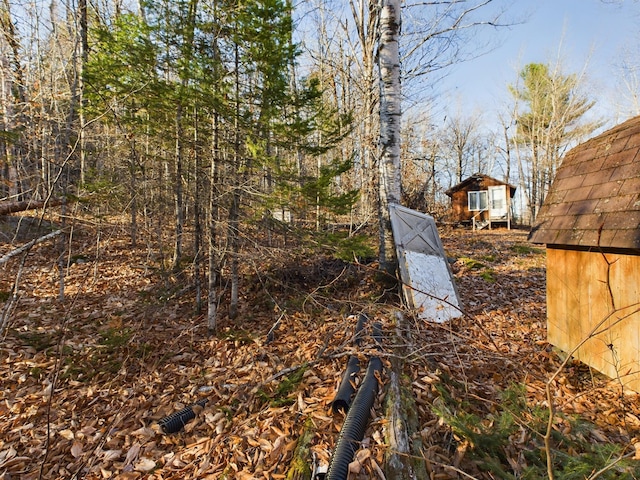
498, 201
428, 284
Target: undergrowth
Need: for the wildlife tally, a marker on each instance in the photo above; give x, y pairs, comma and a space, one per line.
490, 437
282, 395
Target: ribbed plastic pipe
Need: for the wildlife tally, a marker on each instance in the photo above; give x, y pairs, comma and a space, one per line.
176, 421
362, 319
342, 400
355, 423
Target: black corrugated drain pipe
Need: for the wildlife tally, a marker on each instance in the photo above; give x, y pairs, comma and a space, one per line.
176, 421
342, 400
355, 423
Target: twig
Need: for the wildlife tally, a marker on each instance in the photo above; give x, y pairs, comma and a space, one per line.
274, 327
610, 466
11, 303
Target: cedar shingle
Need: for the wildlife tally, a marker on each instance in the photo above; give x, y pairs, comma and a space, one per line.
631, 186
568, 183
563, 222
615, 204
579, 194
598, 177
583, 207
622, 172
607, 237
589, 220
605, 189
595, 197
627, 239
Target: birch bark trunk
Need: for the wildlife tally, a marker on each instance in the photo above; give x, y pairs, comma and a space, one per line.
390, 120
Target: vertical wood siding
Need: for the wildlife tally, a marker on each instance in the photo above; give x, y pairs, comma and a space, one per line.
595, 296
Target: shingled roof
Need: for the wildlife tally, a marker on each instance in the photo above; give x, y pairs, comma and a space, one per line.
475, 179
595, 198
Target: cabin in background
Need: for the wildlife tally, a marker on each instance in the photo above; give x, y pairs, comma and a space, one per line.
590, 223
481, 201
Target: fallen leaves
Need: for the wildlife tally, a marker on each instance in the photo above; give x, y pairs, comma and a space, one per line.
84, 383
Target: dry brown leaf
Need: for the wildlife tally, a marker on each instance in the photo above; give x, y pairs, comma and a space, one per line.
144, 465
169, 355
76, 449
132, 454
66, 434
144, 432
111, 455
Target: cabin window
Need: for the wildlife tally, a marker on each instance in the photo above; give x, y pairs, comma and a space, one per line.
477, 201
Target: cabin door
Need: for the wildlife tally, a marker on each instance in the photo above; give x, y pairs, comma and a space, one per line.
498, 202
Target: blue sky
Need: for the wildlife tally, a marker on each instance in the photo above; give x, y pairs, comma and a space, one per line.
589, 35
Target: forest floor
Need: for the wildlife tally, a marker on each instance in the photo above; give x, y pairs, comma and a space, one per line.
85, 381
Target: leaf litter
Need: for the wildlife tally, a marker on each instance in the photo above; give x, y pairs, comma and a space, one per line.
85, 382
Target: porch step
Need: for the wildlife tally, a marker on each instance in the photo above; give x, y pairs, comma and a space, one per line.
481, 224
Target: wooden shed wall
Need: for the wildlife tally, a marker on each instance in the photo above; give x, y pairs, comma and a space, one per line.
580, 308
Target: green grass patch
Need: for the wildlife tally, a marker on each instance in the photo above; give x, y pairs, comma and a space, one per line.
489, 275
521, 249
471, 263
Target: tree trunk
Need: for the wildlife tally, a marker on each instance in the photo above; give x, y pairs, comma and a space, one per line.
367, 19
234, 208
13, 99
403, 459
299, 467
213, 267
390, 122
84, 56
197, 212
178, 191
212, 298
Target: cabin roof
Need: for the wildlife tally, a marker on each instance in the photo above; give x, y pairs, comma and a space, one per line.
594, 200
475, 178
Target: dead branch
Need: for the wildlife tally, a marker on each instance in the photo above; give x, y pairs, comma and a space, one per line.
13, 299
22, 205
28, 245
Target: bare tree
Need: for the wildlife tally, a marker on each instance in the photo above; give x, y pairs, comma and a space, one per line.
462, 140
629, 70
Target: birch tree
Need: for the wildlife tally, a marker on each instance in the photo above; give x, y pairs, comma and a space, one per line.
390, 123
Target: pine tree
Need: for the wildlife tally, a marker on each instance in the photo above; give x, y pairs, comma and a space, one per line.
553, 120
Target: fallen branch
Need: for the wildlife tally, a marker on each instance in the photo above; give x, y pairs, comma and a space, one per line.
403, 459
22, 205
28, 245
13, 299
299, 468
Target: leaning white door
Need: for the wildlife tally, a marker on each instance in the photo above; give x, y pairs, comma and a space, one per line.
498, 201
428, 284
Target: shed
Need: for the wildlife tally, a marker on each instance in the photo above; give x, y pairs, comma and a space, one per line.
590, 223
481, 201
